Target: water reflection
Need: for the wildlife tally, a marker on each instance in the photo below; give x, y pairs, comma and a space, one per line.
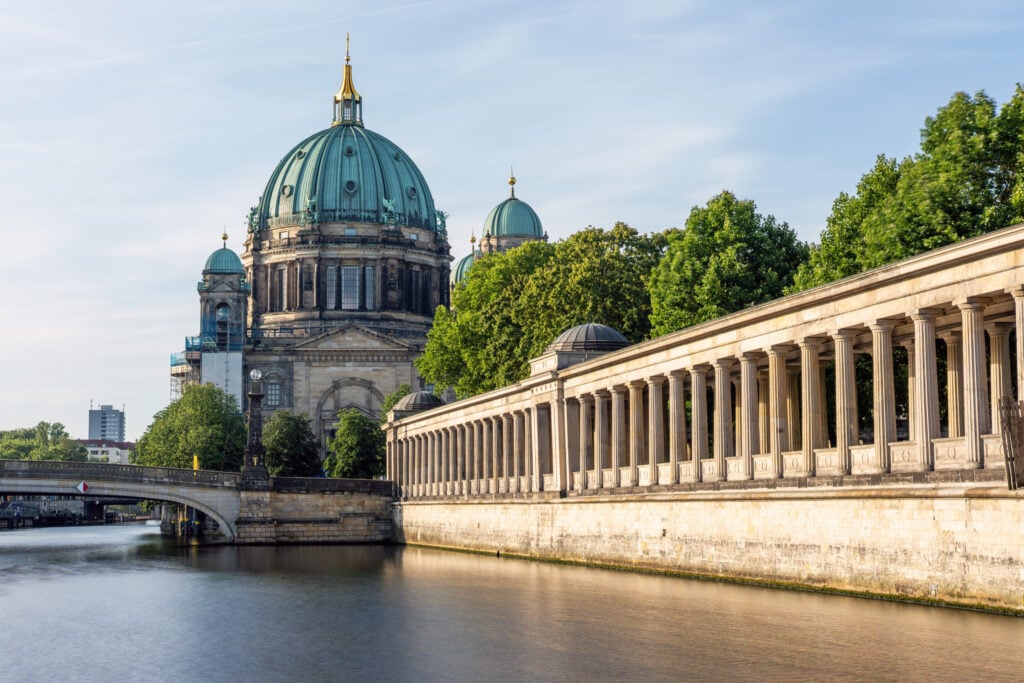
134, 606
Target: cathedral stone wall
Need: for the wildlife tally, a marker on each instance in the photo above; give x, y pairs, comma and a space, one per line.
963, 546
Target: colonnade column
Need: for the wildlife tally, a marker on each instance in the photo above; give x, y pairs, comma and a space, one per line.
926, 382
777, 387
750, 439
810, 391
496, 436
763, 441
600, 442
954, 383
884, 392
656, 425
793, 407
507, 452
529, 466
486, 455
676, 424
699, 410
636, 429
1018, 305
975, 408
999, 370
619, 435
536, 477
586, 438
518, 428
846, 397
723, 441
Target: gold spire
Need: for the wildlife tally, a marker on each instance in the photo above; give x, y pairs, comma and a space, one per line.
224, 236
348, 103
512, 181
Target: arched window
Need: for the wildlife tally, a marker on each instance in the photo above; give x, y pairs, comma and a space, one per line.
223, 316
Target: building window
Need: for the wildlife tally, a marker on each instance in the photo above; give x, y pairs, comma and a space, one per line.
350, 232
331, 287
273, 394
369, 288
350, 288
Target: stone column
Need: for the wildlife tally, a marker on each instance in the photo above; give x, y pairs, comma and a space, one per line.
975, 399
908, 344
485, 454
536, 476
1018, 303
811, 420
793, 407
507, 451
954, 383
636, 429
676, 424
884, 394
778, 429
496, 437
723, 441
600, 442
619, 435
699, 408
926, 380
764, 431
656, 426
528, 462
846, 397
586, 402
518, 421
999, 371
750, 430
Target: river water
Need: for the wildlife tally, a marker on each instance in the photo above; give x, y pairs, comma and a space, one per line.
120, 603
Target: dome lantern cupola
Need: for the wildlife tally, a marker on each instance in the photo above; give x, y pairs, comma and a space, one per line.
348, 103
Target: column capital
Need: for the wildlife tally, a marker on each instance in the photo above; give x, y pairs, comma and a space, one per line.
636, 384
585, 398
750, 356
997, 329
777, 350
700, 369
618, 390
951, 336
883, 325
925, 314
845, 334
678, 374
725, 363
972, 302
656, 380
813, 343
1018, 292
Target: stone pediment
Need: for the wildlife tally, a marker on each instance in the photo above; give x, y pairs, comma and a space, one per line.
352, 338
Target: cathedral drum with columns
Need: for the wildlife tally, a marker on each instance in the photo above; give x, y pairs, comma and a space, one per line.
347, 258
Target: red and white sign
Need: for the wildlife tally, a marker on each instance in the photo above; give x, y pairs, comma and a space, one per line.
83, 487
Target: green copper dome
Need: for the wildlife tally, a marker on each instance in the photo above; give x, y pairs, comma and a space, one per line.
462, 267
347, 173
513, 218
224, 261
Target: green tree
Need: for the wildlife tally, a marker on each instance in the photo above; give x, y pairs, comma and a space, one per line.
206, 422
728, 257
967, 179
512, 305
291, 447
45, 441
357, 449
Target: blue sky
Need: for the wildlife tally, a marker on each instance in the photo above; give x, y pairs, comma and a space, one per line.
132, 134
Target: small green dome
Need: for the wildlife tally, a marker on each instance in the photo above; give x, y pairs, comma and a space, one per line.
513, 218
462, 267
224, 261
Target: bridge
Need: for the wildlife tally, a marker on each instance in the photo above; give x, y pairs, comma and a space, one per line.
287, 509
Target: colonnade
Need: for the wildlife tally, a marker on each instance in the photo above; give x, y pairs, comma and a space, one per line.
898, 374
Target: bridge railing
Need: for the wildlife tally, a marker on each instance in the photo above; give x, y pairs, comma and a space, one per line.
322, 485
92, 470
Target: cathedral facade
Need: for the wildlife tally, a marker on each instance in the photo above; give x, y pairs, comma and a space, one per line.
345, 260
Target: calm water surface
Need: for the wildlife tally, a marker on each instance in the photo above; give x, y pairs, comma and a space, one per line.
118, 603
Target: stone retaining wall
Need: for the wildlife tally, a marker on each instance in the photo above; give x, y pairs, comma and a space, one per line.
962, 544
340, 517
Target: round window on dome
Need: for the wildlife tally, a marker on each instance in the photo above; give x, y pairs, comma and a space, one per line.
412, 193
286, 190
349, 150
398, 157
350, 186
300, 154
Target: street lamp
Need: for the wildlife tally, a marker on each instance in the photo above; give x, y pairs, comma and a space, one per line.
255, 471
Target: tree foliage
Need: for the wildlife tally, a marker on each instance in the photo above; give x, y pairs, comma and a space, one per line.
357, 449
291, 447
45, 441
967, 179
728, 257
206, 422
513, 304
